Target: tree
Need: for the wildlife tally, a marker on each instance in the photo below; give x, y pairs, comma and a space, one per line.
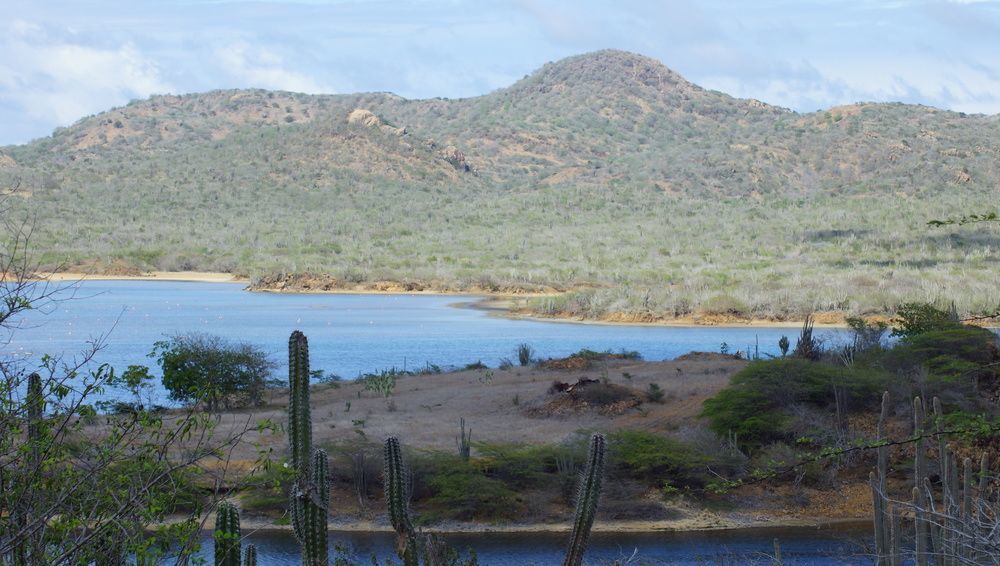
917, 318
210, 369
78, 486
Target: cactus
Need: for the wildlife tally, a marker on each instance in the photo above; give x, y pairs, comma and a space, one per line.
949, 531
464, 441
586, 503
227, 535
397, 501
878, 486
299, 421
309, 501
30, 549
250, 558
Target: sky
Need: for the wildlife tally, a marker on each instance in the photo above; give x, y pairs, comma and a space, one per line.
62, 60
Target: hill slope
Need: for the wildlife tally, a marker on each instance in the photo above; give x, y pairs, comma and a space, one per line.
603, 169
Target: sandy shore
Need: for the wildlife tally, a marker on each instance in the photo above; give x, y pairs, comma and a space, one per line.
193, 276
708, 522
505, 306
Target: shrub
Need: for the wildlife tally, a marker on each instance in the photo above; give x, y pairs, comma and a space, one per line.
461, 490
653, 457
382, 382
959, 362
866, 335
525, 466
525, 353
202, 367
752, 406
917, 318
725, 304
654, 394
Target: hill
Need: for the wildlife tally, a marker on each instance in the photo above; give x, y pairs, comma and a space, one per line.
603, 170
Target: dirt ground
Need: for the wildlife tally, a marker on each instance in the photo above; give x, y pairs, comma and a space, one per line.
498, 405
515, 406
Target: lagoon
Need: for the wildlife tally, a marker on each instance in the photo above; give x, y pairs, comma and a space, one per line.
348, 334
835, 545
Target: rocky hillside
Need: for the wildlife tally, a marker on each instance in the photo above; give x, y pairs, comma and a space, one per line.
606, 169
608, 117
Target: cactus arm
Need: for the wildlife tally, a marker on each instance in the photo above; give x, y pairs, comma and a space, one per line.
397, 500
227, 535
317, 513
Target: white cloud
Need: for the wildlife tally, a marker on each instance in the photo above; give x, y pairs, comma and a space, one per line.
58, 80
262, 68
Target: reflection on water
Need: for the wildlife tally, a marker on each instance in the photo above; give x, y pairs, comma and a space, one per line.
348, 334
841, 545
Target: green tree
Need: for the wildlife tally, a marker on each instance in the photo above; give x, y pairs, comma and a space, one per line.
210, 369
917, 318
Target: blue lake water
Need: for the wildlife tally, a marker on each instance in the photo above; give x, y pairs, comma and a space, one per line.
829, 546
348, 334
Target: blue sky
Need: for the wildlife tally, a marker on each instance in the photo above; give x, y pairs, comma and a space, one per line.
61, 60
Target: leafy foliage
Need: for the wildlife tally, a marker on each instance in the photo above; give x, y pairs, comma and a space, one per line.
754, 406
656, 458
460, 490
210, 369
916, 318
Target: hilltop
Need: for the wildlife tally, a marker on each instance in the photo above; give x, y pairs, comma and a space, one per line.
603, 170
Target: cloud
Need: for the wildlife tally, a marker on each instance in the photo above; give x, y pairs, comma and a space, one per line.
56, 78
262, 68
63, 59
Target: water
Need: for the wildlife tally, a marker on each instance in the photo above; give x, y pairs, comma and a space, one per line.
348, 334
750, 546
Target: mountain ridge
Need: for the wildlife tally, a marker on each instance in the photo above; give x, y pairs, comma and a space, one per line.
605, 170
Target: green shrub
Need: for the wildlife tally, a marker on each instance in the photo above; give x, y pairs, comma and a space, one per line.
524, 466
958, 362
654, 457
753, 406
461, 490
913, 319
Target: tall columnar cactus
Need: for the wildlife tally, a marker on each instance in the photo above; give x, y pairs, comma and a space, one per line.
586, 502
464, 441
299, 420
250, 558
310, 498
880, 513
949, 531
227, 535
30, 549
397, 501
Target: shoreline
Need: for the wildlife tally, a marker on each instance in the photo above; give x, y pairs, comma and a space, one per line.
188, 276
705, 523
498, 304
